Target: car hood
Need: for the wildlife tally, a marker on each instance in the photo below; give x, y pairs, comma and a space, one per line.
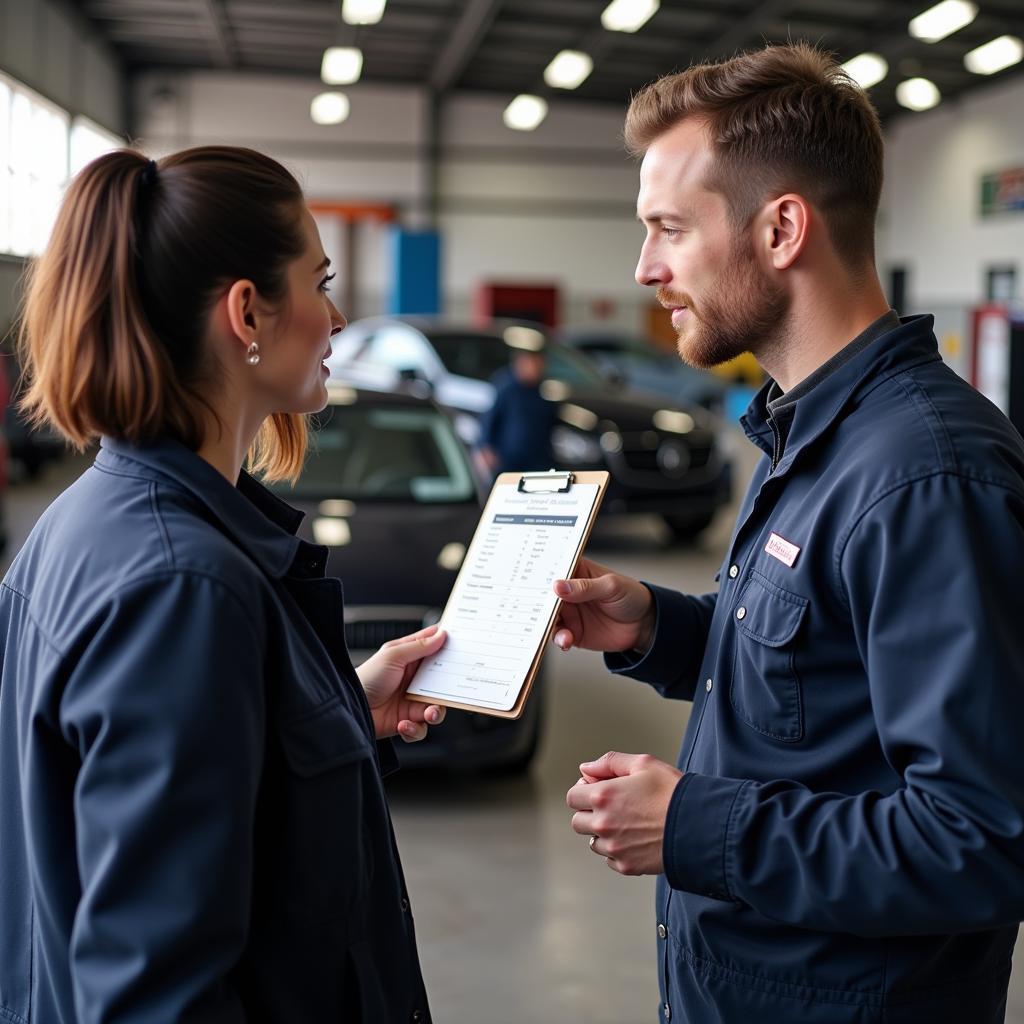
627, 409
392, 556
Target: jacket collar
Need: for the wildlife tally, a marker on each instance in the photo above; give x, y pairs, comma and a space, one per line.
259, 522
908, 345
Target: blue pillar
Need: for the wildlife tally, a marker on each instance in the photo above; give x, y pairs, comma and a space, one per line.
415, 271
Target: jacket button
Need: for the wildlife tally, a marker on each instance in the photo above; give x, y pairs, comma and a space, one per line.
405, 903
741, 613
666, 1012
707, 685
734, 571
417, 1016
662, 932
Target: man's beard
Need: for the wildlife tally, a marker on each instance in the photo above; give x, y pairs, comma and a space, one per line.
746, 313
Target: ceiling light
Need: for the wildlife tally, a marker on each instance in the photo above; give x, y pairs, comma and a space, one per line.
568, 70
628, 15
527, 338
917, 94
943, 20
671, 420
867, 69
362, 12
525, 112
342, 65
994, 56
329, 108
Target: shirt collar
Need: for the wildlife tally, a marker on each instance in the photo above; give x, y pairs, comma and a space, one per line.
258, 521
909, 344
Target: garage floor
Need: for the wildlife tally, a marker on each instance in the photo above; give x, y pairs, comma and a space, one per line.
518, 922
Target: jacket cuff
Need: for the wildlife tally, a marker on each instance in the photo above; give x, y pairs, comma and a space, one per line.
697, 849
673, 618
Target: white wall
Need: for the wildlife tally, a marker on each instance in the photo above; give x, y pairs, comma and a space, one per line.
556, 204
932, 225
52, 49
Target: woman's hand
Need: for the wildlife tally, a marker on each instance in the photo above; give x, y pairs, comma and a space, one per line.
603, 611
385, 677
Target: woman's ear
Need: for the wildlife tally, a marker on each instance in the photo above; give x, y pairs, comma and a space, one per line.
242, 313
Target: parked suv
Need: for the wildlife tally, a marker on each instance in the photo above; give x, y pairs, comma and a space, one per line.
663, 457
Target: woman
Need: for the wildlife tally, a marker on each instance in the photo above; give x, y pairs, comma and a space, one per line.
192, 821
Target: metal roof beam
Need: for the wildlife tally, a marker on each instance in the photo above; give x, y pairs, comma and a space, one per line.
465, 39
215, 16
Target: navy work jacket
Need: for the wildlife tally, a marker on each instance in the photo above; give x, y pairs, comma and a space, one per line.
192, 820
847, 841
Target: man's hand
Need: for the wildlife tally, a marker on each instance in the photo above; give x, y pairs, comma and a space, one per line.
385, 677
603, 611
622, 801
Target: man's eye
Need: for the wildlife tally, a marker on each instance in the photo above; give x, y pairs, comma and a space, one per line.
670, 232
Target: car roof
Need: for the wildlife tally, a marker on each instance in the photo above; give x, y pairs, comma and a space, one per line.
430, 325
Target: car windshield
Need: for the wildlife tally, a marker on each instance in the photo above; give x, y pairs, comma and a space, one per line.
481, 356
389, 454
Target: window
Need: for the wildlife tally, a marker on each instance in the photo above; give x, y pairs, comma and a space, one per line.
33, 167
88, 141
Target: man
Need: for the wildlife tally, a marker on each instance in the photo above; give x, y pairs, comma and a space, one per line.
843, 838
516, 432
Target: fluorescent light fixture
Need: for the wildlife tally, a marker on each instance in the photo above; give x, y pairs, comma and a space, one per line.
342, 65
917, 94
994, 56
867, 69
568, 70
943, 20
525, 112
628, 15
329, 108
362, 12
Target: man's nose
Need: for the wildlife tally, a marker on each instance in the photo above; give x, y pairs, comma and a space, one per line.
650, 272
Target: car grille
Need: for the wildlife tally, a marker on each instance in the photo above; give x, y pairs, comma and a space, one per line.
368, 636
642, 460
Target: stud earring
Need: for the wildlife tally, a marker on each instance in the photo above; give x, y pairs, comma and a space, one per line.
252, 354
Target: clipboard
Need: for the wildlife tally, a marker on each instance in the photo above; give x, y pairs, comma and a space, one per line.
552, 484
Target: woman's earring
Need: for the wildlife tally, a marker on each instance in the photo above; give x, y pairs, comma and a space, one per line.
252, 354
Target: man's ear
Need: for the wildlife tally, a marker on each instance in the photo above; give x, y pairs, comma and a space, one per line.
241, 307
785, 229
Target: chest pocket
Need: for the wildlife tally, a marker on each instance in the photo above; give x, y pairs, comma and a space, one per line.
765, 688
327, 856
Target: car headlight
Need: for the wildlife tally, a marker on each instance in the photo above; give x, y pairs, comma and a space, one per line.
571, 446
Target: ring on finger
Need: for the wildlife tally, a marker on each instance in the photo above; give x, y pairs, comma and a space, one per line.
593, 840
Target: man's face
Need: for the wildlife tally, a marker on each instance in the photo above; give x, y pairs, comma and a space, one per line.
528, 368
722, 301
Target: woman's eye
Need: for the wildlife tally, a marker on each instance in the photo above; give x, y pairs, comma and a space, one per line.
323, 284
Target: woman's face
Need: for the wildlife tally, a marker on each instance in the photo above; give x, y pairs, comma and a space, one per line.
291, 368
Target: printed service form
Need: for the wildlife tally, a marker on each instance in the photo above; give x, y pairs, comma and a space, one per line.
502, 605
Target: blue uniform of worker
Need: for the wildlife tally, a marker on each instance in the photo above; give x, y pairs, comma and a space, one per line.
847, 841
192, 821
518, 425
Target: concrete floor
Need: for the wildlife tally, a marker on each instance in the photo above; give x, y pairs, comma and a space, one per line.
518, 922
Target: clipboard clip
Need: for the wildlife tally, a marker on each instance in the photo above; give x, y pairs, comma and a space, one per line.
552, 482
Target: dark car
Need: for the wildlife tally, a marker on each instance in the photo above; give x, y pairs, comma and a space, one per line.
663, 457
640, 364
389, 488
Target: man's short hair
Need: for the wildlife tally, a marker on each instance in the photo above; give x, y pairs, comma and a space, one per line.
781, 119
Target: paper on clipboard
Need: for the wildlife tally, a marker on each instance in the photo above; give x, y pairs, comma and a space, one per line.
502, 604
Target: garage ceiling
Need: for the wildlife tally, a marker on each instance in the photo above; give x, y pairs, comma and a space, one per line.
503, 46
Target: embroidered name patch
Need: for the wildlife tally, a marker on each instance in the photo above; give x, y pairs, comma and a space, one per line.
780, 548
